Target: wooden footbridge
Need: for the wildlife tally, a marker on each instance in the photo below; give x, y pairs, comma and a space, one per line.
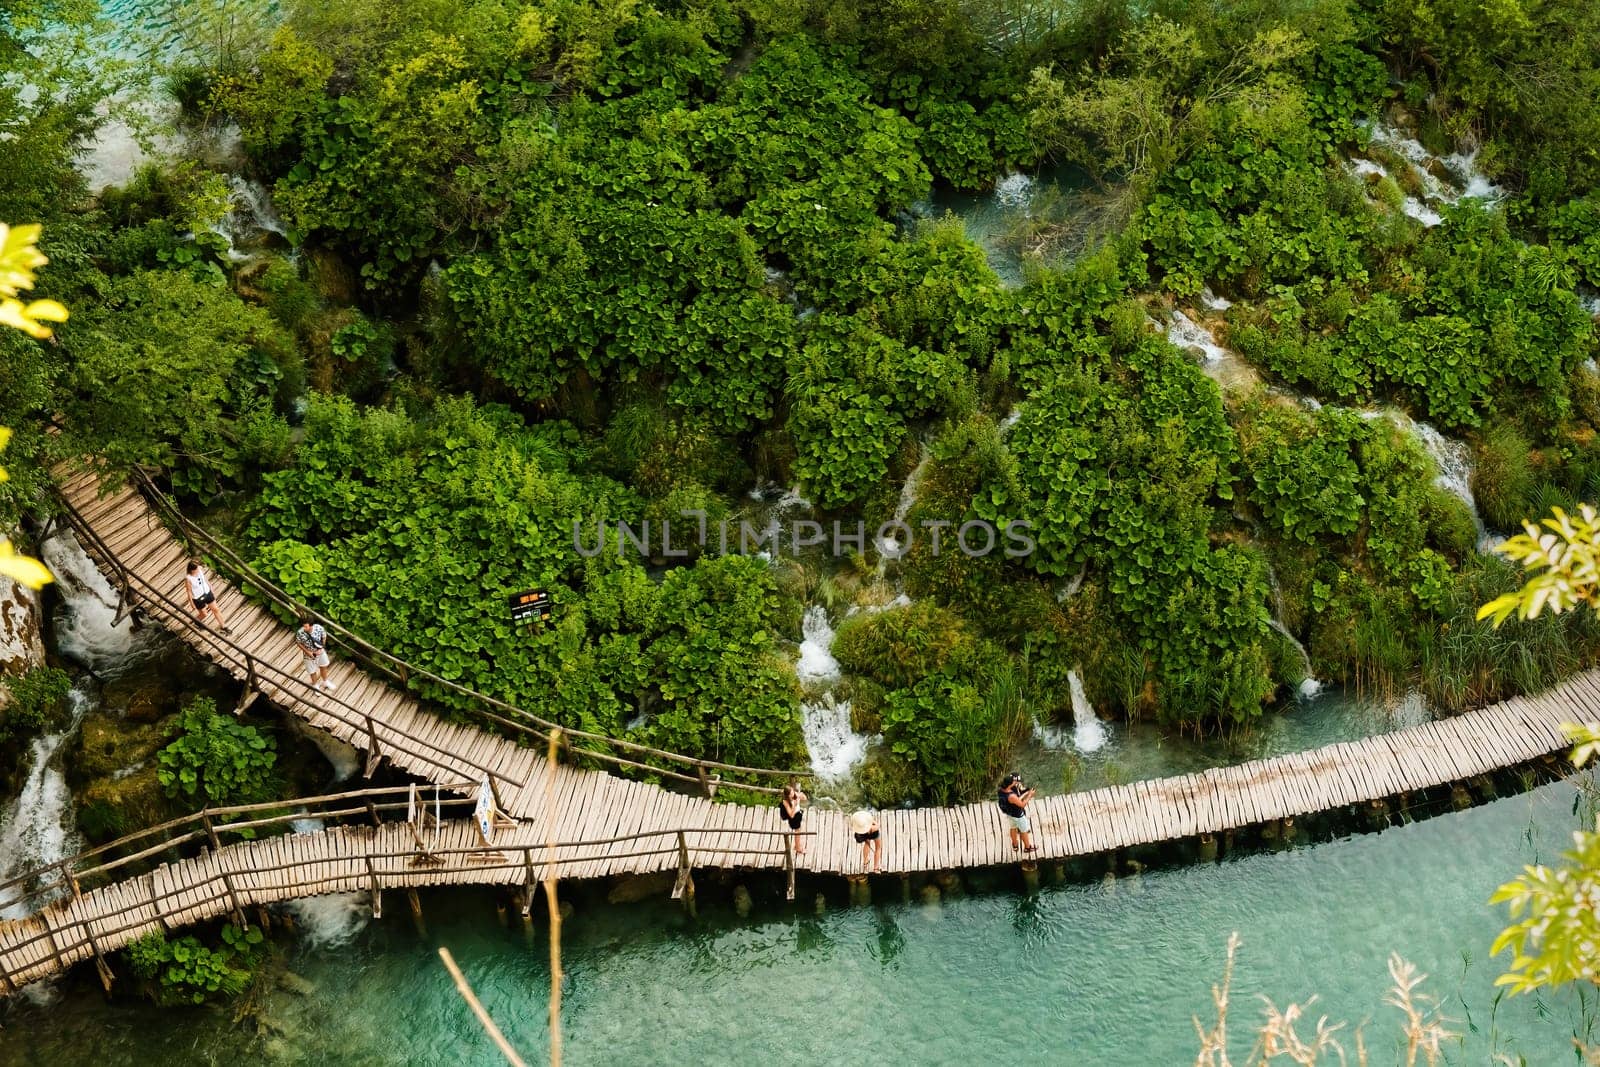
606, 825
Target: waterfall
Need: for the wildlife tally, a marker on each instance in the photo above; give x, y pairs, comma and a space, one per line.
331, 920
1088, 733
890, 547
1213, 302
1223, 366
250, 217
1454, 461
1466, 181
816, 664
1015, 190
40, 826
834, 747
1308, 686
84, 630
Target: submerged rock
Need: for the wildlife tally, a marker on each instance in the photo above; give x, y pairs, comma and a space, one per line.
742, 902
631, 889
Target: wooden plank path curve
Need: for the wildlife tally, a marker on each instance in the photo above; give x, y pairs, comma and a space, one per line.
595, 806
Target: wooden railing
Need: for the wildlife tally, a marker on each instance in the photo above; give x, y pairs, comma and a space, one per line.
130, 584
701, 772
87, 933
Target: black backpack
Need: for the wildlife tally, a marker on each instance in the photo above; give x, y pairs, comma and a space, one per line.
1006, 803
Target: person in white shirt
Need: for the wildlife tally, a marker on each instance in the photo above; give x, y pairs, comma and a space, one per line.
203, 599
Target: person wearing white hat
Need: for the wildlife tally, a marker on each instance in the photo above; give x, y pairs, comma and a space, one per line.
864, 825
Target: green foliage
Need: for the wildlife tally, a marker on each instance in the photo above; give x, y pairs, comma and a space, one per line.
37, 698
214, 759
1304, 474
344, 529
187, 971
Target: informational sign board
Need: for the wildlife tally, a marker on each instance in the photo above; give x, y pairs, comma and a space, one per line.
530, 605
484, 812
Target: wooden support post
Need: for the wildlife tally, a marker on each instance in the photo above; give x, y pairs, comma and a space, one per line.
416, 911
788, 860
373, 752
155, 903
372, 813
527, 864
263, 917
252, 686
5, 972
124, 595
100, 964
708, 784
55, 946
211, 831
377, 890
494, 791
683, 888
233, 895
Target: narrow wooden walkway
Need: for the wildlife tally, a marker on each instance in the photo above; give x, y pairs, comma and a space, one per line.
591, 805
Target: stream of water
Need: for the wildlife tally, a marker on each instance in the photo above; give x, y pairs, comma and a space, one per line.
1102, 973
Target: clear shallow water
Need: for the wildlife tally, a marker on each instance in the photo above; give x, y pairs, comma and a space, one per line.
1098, 974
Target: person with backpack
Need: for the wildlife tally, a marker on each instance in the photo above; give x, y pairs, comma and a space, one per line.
1013, 798
312, 641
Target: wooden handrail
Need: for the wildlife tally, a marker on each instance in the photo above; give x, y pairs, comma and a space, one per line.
328, 704
509, 856
392, 666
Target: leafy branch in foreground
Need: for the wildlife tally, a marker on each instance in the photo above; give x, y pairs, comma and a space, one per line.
1555, 934
19, 256
1564, 561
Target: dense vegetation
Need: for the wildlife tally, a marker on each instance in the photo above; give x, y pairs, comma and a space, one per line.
579, 261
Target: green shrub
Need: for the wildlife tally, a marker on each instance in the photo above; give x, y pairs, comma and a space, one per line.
188, 971
215, 759
37, 699
1503, 480
887, 780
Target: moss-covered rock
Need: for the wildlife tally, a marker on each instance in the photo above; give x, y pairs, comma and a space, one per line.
107, 746
110, 807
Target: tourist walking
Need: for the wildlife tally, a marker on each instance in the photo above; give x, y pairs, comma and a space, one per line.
1014, 797
793, 809
313, 642
864, 825
201, 596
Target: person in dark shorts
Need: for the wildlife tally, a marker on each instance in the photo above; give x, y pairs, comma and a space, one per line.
864, 825
201, 596
793, 809
1013, 799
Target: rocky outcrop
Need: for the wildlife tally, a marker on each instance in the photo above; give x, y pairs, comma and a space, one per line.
21, 634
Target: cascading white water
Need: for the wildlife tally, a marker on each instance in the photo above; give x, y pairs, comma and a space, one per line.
1223, 366
1015, 190
250, 214
834, 747
1309, 685
1454, 461
40, 826
890, 547
1213, 302
816, 664
84, 630
1466, 180
1088, 733
331, 920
